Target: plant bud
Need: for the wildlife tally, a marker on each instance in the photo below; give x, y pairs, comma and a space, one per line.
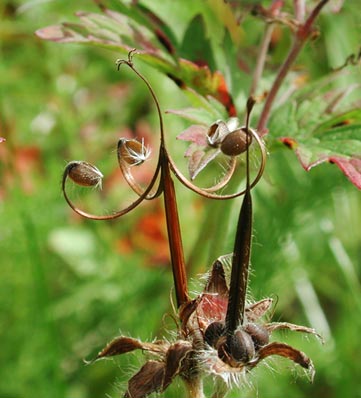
235, 142
132, 152
241, 346
85, 174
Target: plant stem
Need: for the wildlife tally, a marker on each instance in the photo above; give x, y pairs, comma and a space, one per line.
302, 35
261, 58
174, 233
194, 387
263, 50
300, 10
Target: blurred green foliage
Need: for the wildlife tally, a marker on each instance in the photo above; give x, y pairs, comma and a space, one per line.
69, 285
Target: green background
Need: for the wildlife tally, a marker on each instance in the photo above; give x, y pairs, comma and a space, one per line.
69, 285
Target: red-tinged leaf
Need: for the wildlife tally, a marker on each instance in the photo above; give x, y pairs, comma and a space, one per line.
199, 159
351, 167
125, 30
309, 125
341, 146
114, 31
195, 133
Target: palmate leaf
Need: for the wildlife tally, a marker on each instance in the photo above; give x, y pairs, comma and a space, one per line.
322, 127
137, 27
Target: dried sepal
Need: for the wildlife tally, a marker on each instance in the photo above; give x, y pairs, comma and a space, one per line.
216, 282
256, 310
294, 328
122, 345
149, 379
84, 174
156, 376
175, 360
286, 351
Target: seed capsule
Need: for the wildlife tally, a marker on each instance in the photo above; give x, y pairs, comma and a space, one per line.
216, 133
258, 333
235, 142
241, 346
84, 174
132, 152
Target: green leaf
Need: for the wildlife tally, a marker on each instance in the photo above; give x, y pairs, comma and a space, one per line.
137, 27
322, 123
196, 46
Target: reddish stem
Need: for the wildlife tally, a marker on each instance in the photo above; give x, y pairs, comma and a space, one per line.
174, 233
302, 35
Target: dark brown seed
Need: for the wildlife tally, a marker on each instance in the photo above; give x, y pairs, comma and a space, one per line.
235, 142
84, 174
241, 346
258, 333
213, 332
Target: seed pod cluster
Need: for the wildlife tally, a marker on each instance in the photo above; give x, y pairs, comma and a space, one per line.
231, 142
84, 174
241, 346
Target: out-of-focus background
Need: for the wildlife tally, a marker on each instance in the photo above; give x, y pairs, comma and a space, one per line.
69, 285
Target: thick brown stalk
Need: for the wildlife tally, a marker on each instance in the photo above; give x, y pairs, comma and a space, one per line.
174, 233
240, 266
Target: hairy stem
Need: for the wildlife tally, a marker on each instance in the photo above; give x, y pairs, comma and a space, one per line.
194, 387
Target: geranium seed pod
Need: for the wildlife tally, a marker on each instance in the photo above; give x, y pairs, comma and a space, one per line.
84, 173
235, 142
212, 141
132, 152
216, 133
241, 346
258, 333
213, 332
